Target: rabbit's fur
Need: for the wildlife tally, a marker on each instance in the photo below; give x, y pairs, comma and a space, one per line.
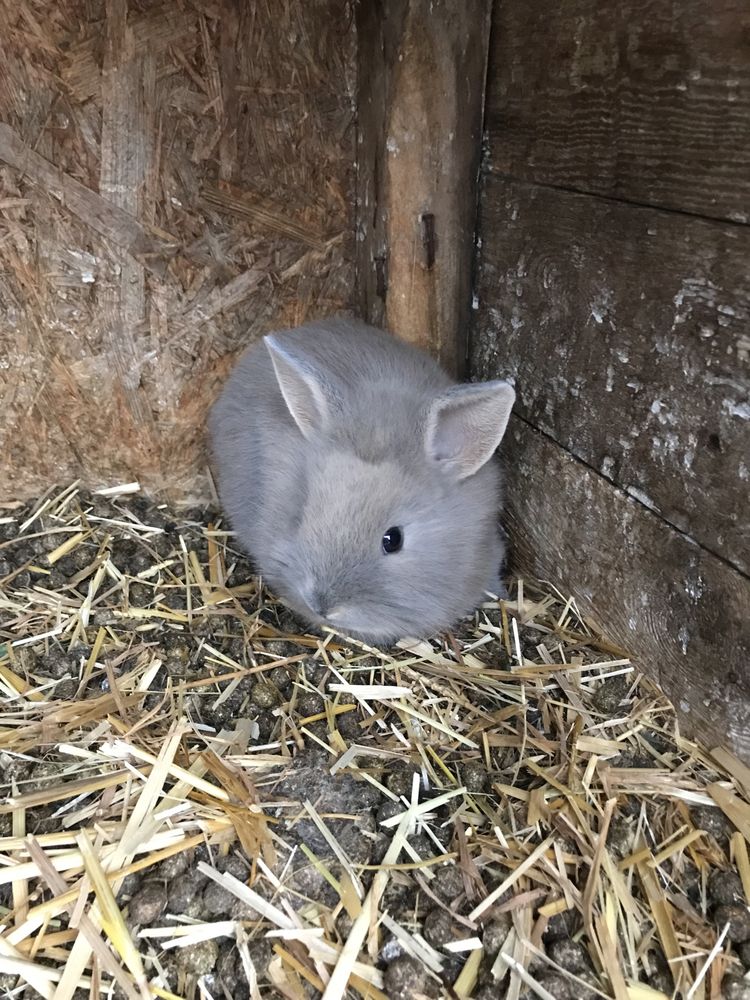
327, 436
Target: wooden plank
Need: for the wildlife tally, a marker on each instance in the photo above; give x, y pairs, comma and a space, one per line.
422, 68
682, 613
648, 102
626, 329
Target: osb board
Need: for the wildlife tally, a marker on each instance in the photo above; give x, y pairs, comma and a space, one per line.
174, 180
643, 101
681, 612
626, 329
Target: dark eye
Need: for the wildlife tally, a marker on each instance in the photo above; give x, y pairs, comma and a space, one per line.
393, 539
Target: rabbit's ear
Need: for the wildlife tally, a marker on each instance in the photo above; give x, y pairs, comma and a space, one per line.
303, 391
466, 424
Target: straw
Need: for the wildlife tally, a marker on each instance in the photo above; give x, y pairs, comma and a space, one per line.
130, 775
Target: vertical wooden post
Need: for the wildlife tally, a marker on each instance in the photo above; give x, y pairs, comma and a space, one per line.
422, 68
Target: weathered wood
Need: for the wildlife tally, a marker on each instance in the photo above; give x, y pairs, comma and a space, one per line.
127, 101
648, 102
115, 117
105, 218
682, 613
626, 329
261, 213
422, 69
156, 29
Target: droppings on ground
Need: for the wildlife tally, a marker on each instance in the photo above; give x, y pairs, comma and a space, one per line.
197, 799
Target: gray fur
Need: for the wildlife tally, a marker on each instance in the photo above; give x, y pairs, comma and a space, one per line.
325, 437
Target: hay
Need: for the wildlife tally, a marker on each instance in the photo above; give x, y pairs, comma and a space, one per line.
544, 775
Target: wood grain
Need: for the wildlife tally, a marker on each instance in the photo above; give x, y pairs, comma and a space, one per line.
126, 153
626, 330
125, 295
104, 217
682, 613
157, 28
647, 101
422, 69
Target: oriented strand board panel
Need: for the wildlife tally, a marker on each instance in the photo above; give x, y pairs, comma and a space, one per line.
627, 330
175, 179
686, 622
645, 101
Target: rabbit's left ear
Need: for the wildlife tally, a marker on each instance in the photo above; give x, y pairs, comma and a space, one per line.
466, 424
303, 391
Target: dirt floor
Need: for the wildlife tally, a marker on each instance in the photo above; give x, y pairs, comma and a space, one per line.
197, 799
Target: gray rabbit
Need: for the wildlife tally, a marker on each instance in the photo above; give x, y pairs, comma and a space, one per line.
361, 480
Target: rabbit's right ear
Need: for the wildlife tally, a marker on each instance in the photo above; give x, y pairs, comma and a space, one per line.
302, 390
466, 424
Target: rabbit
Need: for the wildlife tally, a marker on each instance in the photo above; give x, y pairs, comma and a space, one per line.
360, 479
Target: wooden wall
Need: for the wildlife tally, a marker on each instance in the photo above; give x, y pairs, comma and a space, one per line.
614, 286
175, 178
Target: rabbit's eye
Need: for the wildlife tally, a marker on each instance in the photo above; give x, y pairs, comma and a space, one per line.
393, 539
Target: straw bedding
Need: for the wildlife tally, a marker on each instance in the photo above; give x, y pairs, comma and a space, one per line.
199, 800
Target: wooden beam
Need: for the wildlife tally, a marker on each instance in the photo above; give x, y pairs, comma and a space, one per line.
422, 70
680, 611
